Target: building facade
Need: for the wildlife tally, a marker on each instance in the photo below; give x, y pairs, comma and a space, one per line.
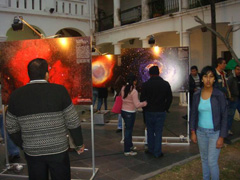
116, 24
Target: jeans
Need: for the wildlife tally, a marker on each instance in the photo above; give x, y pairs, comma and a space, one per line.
13, 150
129, 119
232, 106
100, 102
95, 95
119, 121
207, 139
155, 122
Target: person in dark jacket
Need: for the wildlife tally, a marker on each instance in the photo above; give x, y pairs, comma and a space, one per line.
194, 84
102, 98
158, 94
194, 81
208, 123
234, 100
39, 116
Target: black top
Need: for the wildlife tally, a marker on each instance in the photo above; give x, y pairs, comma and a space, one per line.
158, 94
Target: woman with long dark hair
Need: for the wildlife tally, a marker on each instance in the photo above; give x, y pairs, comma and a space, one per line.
130, 103
208, 122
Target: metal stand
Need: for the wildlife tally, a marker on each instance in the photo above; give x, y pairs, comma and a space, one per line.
9, 166
165, 140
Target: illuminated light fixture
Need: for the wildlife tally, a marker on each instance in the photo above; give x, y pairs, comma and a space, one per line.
18, 22
156, 50
63, 42
151, 40
109, 56
94, 49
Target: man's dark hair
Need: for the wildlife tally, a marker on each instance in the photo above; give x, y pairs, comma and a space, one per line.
194, 67
208, 69
236, 66
154, 70
220, 60
37, 69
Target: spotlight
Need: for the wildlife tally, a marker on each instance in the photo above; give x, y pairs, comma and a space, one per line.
17, 24
151, 40
51, 10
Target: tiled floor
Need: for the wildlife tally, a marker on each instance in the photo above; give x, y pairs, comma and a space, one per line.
109, 158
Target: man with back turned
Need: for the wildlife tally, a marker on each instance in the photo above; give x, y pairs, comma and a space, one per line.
158, 94
38, 119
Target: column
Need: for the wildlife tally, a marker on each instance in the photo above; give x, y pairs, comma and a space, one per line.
3, 38
117, 48
185, 42
145, 10
116, 13
145, 43
236, 39
185, 38
185, 4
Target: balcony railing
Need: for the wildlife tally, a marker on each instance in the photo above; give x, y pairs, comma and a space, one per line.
197, 3
66, 7
159, 8
131, 15
105, 23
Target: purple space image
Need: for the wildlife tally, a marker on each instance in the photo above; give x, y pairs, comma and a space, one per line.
173, 64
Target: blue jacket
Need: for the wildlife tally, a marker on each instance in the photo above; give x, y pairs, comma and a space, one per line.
219, 111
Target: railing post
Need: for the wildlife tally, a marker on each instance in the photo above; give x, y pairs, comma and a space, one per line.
145, 10
13, 4
116, 14
185, 4
29, 5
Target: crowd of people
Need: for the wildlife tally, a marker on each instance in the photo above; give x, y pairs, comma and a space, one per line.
45, 110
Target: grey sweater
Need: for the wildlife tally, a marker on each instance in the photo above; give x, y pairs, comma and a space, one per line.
39, 116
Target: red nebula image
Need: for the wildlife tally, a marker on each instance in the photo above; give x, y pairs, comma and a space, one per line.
102, 69
69, 62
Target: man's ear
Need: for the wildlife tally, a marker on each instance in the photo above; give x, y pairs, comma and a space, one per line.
46, 76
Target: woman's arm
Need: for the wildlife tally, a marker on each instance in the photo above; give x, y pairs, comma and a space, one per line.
136, 101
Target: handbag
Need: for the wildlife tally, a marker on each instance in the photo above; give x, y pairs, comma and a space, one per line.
117, 107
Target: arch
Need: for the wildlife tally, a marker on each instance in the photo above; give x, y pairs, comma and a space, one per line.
26, 33
70, 32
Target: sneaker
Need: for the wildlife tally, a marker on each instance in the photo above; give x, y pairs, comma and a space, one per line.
133, 148
230, 132
131, 153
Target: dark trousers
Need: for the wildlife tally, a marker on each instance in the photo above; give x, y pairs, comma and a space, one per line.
129, 119
58, 165
155, 122
100, 102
